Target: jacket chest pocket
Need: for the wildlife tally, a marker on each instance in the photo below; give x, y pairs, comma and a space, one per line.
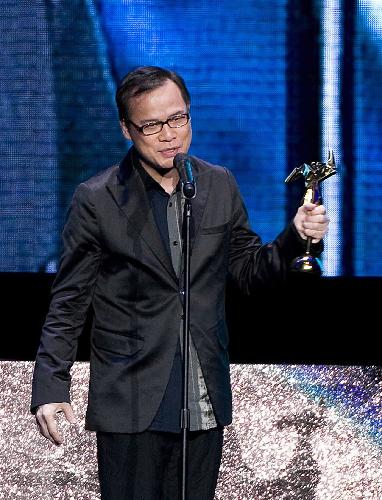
221, 228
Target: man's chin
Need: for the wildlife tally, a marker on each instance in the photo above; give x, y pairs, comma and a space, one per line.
167, 164
163, 170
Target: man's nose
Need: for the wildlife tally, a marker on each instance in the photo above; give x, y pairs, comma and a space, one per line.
167, 133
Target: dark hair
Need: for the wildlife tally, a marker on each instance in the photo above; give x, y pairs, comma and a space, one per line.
144, 79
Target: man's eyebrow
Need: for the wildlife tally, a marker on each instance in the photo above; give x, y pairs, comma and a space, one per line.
151, 120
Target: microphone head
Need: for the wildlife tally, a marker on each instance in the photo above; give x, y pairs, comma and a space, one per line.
183, 164
179, 160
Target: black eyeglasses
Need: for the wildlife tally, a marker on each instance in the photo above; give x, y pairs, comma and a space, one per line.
175, 121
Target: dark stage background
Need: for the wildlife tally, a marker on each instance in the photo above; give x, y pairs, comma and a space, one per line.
327, 321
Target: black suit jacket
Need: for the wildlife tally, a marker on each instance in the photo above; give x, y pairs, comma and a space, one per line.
114, 262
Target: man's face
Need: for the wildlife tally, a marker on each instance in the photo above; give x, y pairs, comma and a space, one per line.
159, 104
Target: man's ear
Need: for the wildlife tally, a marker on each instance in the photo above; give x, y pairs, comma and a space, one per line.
125, 130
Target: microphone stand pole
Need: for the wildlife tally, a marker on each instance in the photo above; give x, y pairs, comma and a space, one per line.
185, 411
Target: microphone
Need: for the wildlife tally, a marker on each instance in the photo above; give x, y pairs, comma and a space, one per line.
183, 164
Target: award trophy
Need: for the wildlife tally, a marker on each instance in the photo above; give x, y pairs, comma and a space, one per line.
314, 174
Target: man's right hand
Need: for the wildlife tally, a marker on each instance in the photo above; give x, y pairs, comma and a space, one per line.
46, 418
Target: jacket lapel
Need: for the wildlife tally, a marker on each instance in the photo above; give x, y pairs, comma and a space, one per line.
129, 192
198, 206
199, 202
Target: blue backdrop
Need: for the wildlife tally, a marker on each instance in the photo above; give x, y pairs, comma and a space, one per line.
61, 61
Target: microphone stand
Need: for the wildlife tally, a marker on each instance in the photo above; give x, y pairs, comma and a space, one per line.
185, 411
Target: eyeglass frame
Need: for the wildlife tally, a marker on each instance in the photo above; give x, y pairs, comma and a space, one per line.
141, 128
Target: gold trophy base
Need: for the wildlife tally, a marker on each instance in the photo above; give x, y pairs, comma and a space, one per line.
307, 264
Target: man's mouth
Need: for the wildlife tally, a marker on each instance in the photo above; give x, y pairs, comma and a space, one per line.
170, 152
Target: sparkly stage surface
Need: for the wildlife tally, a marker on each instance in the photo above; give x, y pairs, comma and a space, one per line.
299, 433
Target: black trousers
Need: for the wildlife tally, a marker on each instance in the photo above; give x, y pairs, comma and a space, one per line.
147, 466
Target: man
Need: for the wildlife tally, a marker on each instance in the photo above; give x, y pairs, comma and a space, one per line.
122, 260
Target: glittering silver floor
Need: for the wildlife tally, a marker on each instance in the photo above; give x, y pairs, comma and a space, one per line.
299, 433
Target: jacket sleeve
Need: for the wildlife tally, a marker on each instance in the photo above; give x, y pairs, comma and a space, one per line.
71, 295
252, 263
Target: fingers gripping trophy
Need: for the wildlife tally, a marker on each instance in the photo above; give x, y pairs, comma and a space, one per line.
313, 174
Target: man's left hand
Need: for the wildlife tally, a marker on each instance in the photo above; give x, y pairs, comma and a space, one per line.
311, 220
